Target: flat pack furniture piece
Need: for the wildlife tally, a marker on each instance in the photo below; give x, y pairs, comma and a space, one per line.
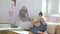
8, 30
22, 32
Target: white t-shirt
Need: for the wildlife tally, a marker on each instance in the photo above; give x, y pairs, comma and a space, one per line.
24, 25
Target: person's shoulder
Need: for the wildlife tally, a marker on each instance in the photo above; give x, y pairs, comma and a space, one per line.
20, 11
43, 18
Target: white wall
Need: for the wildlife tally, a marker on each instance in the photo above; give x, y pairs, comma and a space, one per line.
4, 8
33, 6
53, 6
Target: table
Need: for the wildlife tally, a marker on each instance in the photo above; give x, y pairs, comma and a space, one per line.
22, 32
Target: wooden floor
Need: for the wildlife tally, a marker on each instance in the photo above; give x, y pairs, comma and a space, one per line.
7, 32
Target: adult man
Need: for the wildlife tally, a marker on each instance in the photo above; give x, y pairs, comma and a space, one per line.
23, 14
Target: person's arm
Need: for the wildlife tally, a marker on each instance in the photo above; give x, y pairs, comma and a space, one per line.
43, 21
27, 13
21, 18
39, 32
28, 16
44, 25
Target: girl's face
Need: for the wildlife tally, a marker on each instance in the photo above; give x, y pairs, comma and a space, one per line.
36, 22
40, 15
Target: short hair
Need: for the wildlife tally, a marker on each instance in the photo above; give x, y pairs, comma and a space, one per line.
41, 13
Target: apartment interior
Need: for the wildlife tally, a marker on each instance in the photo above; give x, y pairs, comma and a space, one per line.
50, 9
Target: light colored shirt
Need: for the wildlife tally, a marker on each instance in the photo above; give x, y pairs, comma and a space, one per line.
24, 14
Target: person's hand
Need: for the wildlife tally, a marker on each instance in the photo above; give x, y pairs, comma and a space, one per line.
23, 20
30, 32
39, 32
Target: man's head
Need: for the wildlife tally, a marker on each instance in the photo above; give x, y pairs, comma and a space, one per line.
24, 8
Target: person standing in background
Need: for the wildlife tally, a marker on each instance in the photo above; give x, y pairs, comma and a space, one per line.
12, 13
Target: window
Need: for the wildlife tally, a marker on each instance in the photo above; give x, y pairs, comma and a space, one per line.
59, 7
44, 6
